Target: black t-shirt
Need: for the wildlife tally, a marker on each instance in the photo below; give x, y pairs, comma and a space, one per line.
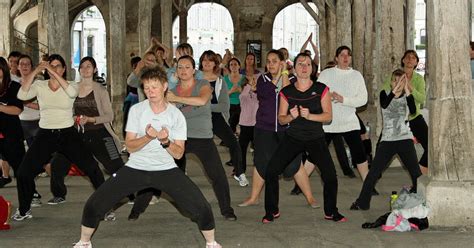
301, 128
10, 126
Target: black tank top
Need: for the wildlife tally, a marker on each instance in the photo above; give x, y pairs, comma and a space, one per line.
301, 128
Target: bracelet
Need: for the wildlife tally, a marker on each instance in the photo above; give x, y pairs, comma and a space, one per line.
167, 144
285, 72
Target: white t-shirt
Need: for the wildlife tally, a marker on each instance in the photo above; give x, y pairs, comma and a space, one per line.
153, 157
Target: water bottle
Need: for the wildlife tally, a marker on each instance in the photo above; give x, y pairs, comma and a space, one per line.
393, 199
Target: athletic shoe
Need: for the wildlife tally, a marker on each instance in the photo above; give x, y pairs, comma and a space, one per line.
337, 217
242, 179
4, 181
18, 217
82, 244
270, 217
36, 202
56, 200
355, 206
296, 190
154, 200
230, 216
133, 216
110, 216
213, 245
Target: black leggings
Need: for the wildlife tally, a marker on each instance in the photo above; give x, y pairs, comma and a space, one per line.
234, 112
178, 186
48, 141
245, 137
98, 142
287, 150
222, 130
206, 151
383, 155
354, 142
419, 128
12, 151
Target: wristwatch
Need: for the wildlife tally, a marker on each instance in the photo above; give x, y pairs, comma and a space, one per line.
166, 145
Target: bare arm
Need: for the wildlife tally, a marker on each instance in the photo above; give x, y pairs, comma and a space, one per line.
10, 110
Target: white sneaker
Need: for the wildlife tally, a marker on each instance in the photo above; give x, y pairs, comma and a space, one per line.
154, 200
242, 179
18, 217
36, 202
110, 216
82, 244
213, 245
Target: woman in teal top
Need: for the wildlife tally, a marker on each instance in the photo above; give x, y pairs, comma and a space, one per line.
234, 82
418, 125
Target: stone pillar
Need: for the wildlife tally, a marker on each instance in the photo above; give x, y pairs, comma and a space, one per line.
410, 24
42, 28
117, 58
167, 23
5, 29
449, 187
323, 34
389, 43
144, 25
331, 31
344, 23
59, 31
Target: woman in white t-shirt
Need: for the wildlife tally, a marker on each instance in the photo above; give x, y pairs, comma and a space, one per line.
156, 132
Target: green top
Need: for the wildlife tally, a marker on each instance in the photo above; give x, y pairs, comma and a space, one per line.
234, 97
419, 92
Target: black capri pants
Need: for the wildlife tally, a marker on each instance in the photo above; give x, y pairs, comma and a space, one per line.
178, 186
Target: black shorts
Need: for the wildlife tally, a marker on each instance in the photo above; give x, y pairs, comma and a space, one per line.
265, 144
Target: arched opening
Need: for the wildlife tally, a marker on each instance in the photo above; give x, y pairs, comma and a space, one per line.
88, 38
420, 34
212, 29
292, 27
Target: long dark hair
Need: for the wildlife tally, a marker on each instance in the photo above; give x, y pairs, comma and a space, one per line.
5, 83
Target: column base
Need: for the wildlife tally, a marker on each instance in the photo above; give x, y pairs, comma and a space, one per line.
451, 203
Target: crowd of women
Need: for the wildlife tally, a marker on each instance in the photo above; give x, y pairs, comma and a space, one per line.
288, 112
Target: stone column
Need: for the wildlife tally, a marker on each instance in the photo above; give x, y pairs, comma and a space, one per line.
42, 28
167, 23
117, 58
389, 43
344, 23
331, 31
144, 25
59, 31
5, 29
449, 187
410, 24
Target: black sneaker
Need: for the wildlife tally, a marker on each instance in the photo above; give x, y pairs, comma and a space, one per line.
230, 217
375, 192
296, 190
355, 206
133, 216
229, 163
4, 181
56, 200
337, 217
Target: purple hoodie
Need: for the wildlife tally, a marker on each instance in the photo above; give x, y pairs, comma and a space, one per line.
267, 113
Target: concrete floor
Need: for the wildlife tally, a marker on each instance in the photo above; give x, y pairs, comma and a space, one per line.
163, 226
